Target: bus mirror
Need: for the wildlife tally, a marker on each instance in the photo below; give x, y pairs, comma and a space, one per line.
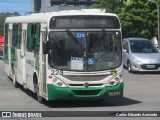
45, 47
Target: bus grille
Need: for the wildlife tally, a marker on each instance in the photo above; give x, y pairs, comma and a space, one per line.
90, 85
86, 92
85, 78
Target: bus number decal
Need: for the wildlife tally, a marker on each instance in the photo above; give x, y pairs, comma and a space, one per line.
80, 34
56, 72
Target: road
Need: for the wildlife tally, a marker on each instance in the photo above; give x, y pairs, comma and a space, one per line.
141, 93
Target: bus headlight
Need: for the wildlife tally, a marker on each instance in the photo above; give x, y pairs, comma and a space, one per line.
58, 82
115, 80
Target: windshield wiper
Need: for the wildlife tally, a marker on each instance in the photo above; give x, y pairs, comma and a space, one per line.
99, 37
72, 36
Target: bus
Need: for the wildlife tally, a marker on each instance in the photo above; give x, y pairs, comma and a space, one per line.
65, 55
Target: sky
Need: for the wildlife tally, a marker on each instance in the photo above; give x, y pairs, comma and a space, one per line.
20, 6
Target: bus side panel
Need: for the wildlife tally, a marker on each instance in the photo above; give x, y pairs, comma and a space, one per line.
19, 69
29, 70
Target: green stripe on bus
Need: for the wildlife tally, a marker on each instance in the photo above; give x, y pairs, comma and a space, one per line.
14, 57
6, 57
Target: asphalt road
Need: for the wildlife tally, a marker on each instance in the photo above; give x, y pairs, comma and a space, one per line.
141, 93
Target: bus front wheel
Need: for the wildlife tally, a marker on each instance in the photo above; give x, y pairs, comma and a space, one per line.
39, 97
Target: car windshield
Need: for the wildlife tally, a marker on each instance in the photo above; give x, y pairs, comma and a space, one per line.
142, 46
84, 51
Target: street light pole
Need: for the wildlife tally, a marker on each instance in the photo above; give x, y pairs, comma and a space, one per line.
157, 15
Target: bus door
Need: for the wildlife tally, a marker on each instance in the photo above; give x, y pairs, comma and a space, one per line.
43, 59
23, 54
32, 54
9, 49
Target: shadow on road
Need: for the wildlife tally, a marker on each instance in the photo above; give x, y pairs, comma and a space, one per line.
73, 104
143, 72
109, 102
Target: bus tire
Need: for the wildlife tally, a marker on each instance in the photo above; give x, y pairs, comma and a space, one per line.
39, 97
15, 83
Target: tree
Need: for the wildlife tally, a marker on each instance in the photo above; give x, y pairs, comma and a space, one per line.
2, 20
112, 5
139, 19
98, 6
158, 1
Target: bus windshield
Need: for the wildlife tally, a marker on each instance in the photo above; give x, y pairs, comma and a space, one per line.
85, 51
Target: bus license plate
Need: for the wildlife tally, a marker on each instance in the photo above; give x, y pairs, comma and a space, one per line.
150, 66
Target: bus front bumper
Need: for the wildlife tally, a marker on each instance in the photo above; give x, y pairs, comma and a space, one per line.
99, 93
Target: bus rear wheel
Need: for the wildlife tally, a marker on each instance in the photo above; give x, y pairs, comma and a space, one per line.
15, 83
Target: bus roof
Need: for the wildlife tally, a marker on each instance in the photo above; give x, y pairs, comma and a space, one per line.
44, 17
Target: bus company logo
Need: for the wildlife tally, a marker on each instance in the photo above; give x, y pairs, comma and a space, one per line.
6, 114
86, 85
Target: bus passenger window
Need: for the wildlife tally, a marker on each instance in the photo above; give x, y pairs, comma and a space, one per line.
19, 36
6, 33
30, 37
33, 37
37, 37
16, 35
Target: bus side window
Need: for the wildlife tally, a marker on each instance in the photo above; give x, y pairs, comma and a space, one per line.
16, 35
19, 36
37, 37
30, 37
6, 33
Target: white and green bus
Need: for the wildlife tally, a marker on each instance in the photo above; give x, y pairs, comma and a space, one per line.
67, 55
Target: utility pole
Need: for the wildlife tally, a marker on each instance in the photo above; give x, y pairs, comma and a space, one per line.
157, 17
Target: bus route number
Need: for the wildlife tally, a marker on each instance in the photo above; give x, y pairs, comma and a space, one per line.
56, 72
80, 34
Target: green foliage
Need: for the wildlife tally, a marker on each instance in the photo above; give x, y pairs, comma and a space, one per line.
2, 20
139, 19
94, 6
158, 1
111, 5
